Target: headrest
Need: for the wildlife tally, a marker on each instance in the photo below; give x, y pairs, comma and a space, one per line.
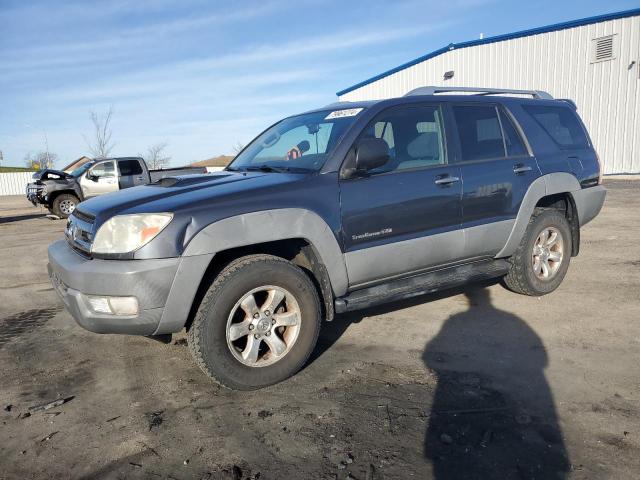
424, 145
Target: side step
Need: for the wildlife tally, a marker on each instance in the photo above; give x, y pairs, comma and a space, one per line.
421, 284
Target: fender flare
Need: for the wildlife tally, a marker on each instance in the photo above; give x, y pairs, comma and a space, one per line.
553, 183
272, 225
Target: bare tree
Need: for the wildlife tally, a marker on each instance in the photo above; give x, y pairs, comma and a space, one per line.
237, 148
156, 157
100, 144
40, 160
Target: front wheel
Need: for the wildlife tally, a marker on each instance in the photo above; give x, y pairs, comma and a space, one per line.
257, 324
541, 261
64, 205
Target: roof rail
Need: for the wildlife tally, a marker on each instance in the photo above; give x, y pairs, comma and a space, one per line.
432, 90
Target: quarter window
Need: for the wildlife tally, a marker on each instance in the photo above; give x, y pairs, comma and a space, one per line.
561, 124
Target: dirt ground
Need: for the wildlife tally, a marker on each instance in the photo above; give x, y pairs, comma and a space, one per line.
472, 383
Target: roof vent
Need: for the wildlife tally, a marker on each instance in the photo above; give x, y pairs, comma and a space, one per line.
602, 49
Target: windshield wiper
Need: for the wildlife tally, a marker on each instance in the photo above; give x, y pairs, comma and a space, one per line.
266, 168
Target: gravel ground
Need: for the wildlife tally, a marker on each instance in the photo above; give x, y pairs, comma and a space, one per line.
471, 383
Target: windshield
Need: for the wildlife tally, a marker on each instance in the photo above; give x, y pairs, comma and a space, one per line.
81, 169
297, 144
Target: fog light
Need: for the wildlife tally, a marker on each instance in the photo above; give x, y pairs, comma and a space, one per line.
114, 305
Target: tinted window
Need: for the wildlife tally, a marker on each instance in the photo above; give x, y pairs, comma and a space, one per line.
414, 135
479, 132
129, 167
515, 145
561, 124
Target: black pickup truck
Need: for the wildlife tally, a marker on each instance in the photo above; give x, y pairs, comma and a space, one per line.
61, 191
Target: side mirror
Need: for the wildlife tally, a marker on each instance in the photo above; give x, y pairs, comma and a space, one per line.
92, 177
371, 153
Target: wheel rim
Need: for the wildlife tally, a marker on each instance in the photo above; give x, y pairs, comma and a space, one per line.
548, 253
263, 326
67, 206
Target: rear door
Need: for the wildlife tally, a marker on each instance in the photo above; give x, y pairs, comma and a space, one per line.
497, 169
131, 173
405, 216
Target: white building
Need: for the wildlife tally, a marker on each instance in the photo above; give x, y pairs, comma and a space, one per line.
593, 61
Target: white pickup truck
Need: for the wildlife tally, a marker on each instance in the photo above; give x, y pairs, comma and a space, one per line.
61, 191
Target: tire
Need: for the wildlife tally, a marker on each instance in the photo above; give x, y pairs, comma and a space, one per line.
526, 275
221, 314
64, 205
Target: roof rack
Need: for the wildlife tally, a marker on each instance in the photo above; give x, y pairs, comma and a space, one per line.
432, 90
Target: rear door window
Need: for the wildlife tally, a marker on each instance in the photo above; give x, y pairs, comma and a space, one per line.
129, 167
513, 141
561, 124
479, 132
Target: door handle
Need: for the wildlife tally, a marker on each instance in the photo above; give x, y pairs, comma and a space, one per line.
448, 180
520, 168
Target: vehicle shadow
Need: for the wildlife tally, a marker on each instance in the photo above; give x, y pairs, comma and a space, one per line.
492, 415
18, 218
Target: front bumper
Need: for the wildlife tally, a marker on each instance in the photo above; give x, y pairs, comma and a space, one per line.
150, 281
34, 194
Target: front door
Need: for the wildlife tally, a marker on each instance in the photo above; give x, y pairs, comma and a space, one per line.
497, 170
405, 216
99, 179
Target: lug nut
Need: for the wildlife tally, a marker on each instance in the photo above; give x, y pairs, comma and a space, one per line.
268, 333
251, 327
256, 336
267, 313
256, 315
273, 321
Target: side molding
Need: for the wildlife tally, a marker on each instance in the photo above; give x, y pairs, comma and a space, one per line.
271, 225
550, 184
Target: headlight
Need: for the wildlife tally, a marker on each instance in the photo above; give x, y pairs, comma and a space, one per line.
126, 233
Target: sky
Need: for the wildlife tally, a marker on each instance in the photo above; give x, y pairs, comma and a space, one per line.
205, 75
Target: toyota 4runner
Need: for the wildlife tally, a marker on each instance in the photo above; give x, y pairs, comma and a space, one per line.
333, 210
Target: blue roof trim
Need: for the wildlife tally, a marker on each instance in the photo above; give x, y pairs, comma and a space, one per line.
498, 38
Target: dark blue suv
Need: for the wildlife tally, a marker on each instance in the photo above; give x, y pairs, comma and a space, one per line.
336, 209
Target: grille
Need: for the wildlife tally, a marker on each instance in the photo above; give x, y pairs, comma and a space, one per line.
79, 233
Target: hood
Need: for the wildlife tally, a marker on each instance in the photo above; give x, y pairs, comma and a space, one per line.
182, 193
50, 174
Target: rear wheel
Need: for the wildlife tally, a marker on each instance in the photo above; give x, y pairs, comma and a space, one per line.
257, 324
541, 261
64, 205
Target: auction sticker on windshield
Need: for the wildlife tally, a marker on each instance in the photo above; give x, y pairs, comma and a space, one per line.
350, 112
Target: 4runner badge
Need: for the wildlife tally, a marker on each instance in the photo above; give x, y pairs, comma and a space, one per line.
360, 236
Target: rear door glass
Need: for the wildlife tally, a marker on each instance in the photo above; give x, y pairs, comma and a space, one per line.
513, 141
479, 132
129, 167
561, 124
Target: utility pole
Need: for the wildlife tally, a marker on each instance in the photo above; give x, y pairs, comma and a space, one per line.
1, 158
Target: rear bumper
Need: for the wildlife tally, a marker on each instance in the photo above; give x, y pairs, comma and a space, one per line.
589, 202
150, 281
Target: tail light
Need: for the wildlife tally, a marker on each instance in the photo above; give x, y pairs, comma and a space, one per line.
599, 169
